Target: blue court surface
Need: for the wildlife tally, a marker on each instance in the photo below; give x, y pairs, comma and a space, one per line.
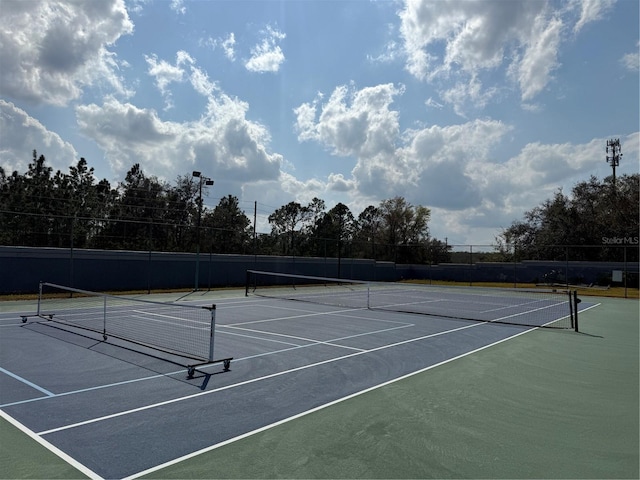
118, 409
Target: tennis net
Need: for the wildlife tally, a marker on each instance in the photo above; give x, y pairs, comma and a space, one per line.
176, 328
527, 307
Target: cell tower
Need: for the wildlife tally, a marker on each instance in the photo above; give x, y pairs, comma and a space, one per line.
613, 147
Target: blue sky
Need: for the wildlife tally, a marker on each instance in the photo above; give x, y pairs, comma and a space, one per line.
479, 110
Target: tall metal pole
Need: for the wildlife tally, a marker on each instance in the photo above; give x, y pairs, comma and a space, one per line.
206, 181
198, 234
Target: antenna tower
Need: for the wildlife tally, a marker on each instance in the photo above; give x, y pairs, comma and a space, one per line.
613, 156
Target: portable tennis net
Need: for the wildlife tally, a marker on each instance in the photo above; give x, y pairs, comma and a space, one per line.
180, 329
527, 307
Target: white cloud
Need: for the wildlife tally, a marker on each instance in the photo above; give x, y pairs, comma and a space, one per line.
225, 145
178, 6
631, 61
52, 50
267, 56
352, 122
431, 103
539, 58
201, 83
337, 183
427, 165
591, 11
165, 73
461, 94
227, 44
21, 134
452, 169
457, 41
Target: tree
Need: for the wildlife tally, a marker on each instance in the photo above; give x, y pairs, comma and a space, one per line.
284, 222
181, 214
227, 227
332, 229
368, 229
36, 200
77, 198
137, 215
593, 211
404, 228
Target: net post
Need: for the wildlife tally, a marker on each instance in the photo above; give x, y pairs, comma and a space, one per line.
212, 333
246, 285
104, 317
368, 296
571, 315
576, 301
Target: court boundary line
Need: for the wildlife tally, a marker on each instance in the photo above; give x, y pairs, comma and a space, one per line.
327, 405
51, 447
92, 474
24, 381
250, 381
292, 346
321, 407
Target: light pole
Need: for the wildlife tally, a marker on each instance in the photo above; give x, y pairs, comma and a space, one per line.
208, 182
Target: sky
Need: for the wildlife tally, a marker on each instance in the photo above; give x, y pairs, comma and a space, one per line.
478, 110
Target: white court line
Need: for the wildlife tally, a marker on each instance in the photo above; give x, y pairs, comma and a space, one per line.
253, 380
313, 410
266, 427
52, 448
90, 389
339, 313
162, 375
27, 382
504, 307
292, 317
256, 337
304, 367
294, 337
313, 342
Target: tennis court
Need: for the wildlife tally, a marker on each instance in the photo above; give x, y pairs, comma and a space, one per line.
118, 409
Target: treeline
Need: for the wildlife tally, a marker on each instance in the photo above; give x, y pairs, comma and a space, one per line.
593, 223
47, 209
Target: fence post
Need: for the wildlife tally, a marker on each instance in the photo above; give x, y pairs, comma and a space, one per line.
625, 270
470, 265
566, 268
515, 267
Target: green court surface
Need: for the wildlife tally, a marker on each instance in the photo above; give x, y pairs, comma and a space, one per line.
546, 404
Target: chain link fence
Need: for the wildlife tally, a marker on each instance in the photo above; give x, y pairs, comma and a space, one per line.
613, 263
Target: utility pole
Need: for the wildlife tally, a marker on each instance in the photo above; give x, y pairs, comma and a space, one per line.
613, 148
208, 182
